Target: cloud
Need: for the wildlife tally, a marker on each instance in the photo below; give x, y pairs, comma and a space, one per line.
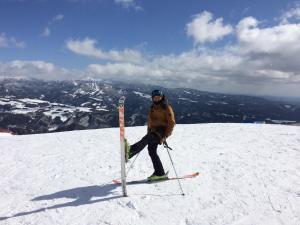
3, 41
292, 13
7, 42
277, 47
129, 4
204, 29
57, 18
261, 57
87, 47
117, 69
246, 10
83, 1
46, 32
46, 67
196, 68
36, 69
262, 60
219, 71
275, 74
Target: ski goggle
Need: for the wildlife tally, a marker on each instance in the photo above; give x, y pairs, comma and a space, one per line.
156, 93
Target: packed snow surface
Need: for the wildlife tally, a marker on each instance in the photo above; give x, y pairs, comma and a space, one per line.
5, 134
249, 175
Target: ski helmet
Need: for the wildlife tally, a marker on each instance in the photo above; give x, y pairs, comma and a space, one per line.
156, 93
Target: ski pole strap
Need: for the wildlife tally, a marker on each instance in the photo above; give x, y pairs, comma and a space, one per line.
165, 144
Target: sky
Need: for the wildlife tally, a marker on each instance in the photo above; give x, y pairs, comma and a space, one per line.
234, 46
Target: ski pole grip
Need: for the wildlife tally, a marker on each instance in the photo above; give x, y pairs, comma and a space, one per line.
165, 144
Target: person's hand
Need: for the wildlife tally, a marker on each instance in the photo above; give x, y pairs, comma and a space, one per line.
162, 140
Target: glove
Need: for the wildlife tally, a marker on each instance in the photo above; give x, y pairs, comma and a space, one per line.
165, 144
162, 140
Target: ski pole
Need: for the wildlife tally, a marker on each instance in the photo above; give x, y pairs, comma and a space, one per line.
167, 147
131, 165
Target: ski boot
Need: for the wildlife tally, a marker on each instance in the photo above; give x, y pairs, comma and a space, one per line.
154, 177
127, 150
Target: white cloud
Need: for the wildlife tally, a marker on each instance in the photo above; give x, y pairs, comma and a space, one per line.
3, 41
292, 13
17, 44
116, 69
46, 67
125, 2
58, 17
129, 4
177, 70
278, 45
46, 32
204, 29
261, 57
246, 10
275, 74
87, 47
10, 42
263, 60
246, 23
83, 1
36, 69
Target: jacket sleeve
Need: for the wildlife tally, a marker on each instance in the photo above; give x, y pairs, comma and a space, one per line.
170, 120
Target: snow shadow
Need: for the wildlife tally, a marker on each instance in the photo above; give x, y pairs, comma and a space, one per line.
81, 196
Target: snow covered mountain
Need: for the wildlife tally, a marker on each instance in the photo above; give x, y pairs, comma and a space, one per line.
35, 106
249, 174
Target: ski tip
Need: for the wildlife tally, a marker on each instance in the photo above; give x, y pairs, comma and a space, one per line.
192, 175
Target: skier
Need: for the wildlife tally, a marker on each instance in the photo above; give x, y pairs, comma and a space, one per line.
161, 122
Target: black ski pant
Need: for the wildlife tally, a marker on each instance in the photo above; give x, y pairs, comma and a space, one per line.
152, 140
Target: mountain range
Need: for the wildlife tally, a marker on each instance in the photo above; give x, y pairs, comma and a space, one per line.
30, 106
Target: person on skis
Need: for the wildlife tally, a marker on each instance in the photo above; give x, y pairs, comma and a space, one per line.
161, 121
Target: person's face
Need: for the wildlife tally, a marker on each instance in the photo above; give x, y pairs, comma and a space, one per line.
156, 98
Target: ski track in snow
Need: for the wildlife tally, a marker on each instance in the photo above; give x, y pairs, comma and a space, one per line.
249, 175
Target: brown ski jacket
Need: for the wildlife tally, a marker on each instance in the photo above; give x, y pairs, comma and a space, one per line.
161, 119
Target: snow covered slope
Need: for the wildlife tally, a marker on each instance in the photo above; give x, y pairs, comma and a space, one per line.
250, 175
